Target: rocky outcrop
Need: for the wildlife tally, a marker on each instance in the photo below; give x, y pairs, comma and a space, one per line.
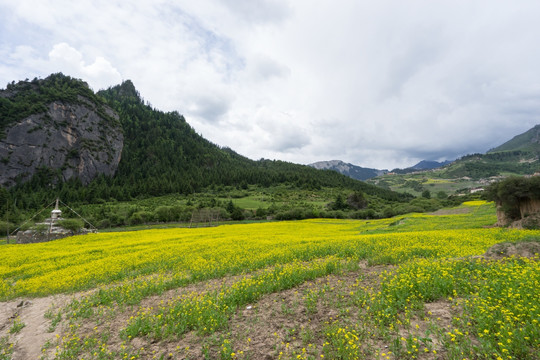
79, 140
529, 215
350, 170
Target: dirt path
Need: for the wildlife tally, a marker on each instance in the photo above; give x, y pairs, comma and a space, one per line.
30, 340
451, 211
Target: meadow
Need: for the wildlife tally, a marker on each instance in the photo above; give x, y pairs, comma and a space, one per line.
409, 287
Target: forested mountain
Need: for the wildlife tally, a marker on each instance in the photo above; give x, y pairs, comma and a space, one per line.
161, 153
518, 156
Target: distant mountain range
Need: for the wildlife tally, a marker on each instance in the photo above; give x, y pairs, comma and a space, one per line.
520, 155
353, 171
423, 165
362, 173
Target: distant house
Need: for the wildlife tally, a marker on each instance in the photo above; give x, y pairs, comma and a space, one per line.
475, 190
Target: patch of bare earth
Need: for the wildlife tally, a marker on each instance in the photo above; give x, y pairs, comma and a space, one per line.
528, 249
256, 331
31, 338
451, 211
279, 325
285, 322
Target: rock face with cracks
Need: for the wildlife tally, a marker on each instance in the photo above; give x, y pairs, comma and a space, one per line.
80, 140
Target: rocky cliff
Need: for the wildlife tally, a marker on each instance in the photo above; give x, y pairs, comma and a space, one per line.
350, 170
78, 139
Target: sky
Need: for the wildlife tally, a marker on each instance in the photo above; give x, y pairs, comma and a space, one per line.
380, 84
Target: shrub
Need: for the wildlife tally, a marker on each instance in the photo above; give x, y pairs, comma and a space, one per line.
164, 213
6, 226
104, 224
71, 224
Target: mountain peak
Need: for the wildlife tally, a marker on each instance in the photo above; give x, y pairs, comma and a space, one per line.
353, 171
125, 90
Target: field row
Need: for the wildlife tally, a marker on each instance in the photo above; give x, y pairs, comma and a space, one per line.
402, 288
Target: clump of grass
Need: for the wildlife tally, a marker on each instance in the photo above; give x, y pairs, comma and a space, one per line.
6, 348
17, 326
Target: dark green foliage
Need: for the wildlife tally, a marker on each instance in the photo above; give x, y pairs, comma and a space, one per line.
339, 204
6, 227
478, 166
426, 194
357, 200
441, 195
514, 189
71, 224
509, 193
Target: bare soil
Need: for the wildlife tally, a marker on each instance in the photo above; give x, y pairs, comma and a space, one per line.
451, 211
30, 339
528, 249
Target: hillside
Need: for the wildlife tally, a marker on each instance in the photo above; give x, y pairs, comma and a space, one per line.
362, 173
422, 165
518, 156
161, 154
529, 141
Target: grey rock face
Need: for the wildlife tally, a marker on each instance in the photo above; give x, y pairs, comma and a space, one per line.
79, 140
350, 170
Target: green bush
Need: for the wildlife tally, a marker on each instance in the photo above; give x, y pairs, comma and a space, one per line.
140, 217
5, 227
104, 224
71, 224
164, 214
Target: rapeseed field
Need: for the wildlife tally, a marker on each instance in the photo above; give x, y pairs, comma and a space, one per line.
410, 287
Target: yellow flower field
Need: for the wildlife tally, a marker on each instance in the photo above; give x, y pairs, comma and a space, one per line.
83, 262
431, 255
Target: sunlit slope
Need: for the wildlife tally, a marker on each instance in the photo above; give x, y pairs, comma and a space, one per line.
189, 255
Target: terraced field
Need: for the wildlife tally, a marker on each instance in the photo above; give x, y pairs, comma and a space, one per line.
410, 287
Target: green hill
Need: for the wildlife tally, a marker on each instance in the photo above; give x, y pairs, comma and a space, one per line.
163, 154
529, 141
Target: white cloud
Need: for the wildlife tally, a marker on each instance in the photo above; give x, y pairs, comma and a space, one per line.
100, 73
378, 84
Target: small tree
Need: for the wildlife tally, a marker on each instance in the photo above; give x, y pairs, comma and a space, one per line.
357, 200
511, 192
441, 195
339, 204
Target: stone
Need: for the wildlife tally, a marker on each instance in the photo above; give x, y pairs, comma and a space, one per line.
81, 140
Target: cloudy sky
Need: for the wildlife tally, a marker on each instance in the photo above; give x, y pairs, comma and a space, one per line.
379, 84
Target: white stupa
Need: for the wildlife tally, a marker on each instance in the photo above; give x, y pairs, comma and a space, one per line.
56, 213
